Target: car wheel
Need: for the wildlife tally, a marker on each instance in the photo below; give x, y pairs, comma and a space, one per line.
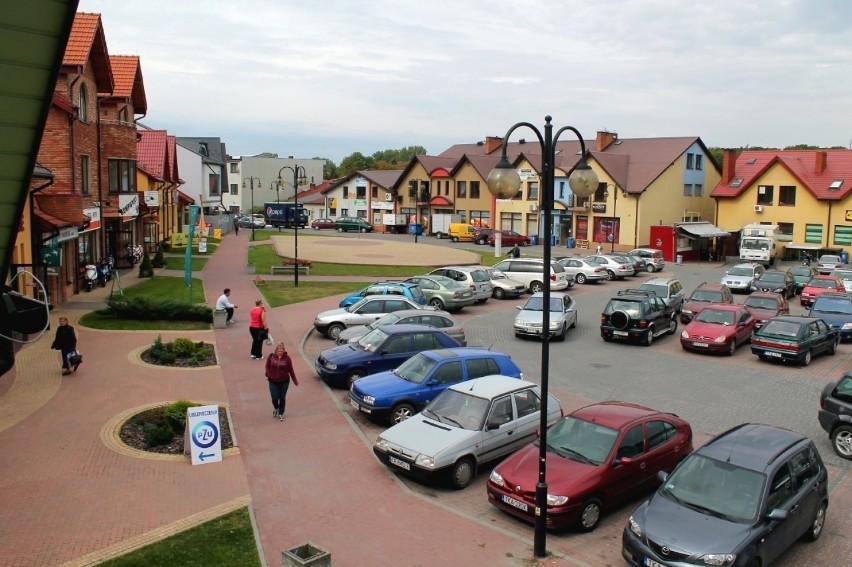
462, 473
439, 236
672, 326
590, 515
401, 412
525, 243
354, 375
649, 337
580, 279
807, 360
334, 331
841, 440
455, 238
481, 241
498, 293
610, 275
436, 303
362, 230
339, 229
649, 268
536, 287
817, 524
732, 348
315, 227
832, 350
561, 336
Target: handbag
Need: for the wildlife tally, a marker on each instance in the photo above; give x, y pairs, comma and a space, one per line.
75, 358
268, 338
263, 334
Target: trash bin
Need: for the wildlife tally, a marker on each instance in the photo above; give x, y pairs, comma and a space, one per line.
679, 259
844, 257
415, 228
553, 240
570, 242
534, 239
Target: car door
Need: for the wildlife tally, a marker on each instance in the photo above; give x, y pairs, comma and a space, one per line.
745, 326
822, 334
782, 495
659, 314
626, 473
810, 486
498, 433
664, 449
443, 376
395, 350
367, 313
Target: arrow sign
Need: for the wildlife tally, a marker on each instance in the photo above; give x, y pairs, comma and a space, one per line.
202, 426
203, 456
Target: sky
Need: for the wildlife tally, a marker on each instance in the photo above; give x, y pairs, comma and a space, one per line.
330, 78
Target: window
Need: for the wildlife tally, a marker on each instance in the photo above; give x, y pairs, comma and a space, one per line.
344, 212
561, 189
213, 184
690, 161
697, 190
843, 235
83, 109
804, 466
85, 181
235, 189
813, 233
474, 189
123, 115
526, 403
397, 345
374, 192
698, 161
781, 489
361, 192
501, 412
687, 189
235, 167
787, 196
765, 194
479, 367
659, 432
345, 191
600, 193
412, 189
448, 373
425, 341
461, 189
785, 231
532, 191
122, 176
633, 444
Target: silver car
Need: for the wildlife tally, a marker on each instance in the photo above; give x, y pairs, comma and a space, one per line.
739, 277
468, 424
615, 269
473, 277
503, 287
582, 270
563, 316
330, 323
846, 277
439, 319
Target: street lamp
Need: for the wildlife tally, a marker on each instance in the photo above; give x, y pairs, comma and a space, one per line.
614, 217
299, 178
277, 196
251, 181
504, 183
416, 184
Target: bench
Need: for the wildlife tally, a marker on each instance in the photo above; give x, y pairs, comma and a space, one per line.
289, 268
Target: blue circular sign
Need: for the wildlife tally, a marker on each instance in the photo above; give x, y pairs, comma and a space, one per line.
205, 434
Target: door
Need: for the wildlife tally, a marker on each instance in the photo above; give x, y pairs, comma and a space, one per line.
499, 429
442, 378
627, 477
782, 495
664, 452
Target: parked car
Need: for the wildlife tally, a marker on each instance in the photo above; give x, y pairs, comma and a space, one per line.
836, 310
480, 235
582, 270
740, 500
669, 289
465, 426
319, 224
330, 323
637, 262
820, 284
597, 458
438, 319
835, 407
718, 328
775, 281
615, 269
475, 278
654, 261
827, 263
530, 316
502, 286
508, 238
845, 276
247, 221
530, 272
407, 290
794, 339
765, 306
702, 296
345, 224
741, 276
399, 394
637, 316
444, 293
802, 275
380, 349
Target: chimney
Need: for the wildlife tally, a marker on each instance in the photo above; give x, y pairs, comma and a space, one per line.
604, 139
729, 165
821, 159
492, 144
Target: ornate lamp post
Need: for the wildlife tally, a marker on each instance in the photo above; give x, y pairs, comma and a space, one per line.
251, 181
504, 183
277, 186
299, 178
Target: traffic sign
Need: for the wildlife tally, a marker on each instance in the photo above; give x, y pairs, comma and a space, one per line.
202, 428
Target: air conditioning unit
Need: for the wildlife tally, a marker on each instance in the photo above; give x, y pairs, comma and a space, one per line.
533, 207
758, 208
388, 196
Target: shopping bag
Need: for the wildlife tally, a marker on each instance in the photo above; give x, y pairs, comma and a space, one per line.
75, 358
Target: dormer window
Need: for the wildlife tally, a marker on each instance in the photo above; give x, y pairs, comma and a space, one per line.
835, 185
202, 149
736, 182
83, 110
123, 115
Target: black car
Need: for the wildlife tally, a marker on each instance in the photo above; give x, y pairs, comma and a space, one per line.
835, 408
637, 316
802, 275
836, 310
775, 281
740, 500
480, 235
794, 339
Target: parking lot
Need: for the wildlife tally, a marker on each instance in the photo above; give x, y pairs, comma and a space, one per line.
712, 392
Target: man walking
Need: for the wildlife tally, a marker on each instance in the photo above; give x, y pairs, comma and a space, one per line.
223, 303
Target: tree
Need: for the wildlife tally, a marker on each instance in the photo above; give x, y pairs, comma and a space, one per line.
329, 170
354, 162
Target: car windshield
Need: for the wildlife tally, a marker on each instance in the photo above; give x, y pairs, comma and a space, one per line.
581, 440
832, 305
741, 271
537, 304
710, 296
716, 488
761, 302
459, 409
802, 271
780, 328
822, 283
716, 317
772, 277
372, 340
842, 274
416, 368
658, 289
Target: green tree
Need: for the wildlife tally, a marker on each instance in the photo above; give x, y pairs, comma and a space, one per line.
354, 162
329, 170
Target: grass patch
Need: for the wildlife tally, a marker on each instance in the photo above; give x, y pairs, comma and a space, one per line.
263, 256
177, 262
159, 288
224, 541
278, 293
100, 320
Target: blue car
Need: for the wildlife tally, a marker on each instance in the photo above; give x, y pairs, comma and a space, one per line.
400, 393
836, 310
405, 289
381, 349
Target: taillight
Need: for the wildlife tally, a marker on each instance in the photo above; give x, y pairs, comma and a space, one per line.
603, 319
622, 267
553, 277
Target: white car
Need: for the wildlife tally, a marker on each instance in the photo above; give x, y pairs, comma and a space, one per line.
530, 272
563, 316
435, 318
468, 424
583, 271
739, 277
846, 277
615, 269
330, 323
503, 286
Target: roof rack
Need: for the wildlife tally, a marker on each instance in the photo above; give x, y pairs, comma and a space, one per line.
633, 291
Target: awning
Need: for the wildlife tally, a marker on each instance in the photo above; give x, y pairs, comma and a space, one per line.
803, 245
53, 211
703, 229
440, 201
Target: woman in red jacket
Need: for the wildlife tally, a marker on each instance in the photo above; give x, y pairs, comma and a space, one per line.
279, 373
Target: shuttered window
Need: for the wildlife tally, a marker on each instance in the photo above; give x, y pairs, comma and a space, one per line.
813, 233
843, 235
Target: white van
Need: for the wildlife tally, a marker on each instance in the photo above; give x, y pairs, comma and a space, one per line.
530, 272
653, 258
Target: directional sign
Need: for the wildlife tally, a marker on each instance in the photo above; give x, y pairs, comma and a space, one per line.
202, 428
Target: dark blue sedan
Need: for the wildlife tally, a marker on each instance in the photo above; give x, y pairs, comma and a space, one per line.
794, 339
836, 310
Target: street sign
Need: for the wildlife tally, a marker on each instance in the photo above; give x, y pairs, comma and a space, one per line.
202, 428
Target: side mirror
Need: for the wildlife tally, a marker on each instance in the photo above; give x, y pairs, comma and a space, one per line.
518, 307
626, 461
662, 476
492, 424
777, 514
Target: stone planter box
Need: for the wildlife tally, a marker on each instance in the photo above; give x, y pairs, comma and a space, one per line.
219, 318
307, 554
249, 268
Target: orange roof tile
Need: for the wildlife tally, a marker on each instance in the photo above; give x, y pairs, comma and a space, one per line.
127, 76
151, 152
87, 45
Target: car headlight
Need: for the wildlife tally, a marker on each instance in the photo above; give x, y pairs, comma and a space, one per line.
556, 500
330, 365
846, 326
425, 461
496, 478
634, 527
719, 558
719, 339
554, 325
370, 400
382, 444
684, 334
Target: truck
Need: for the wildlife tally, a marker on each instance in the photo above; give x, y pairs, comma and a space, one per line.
394, 222
440, 225
285, 215
759, 243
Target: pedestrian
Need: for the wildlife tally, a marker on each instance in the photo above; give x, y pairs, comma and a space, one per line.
236, 227
66, 343
258, 329
515, 252
224, 304
279, 373
598, 249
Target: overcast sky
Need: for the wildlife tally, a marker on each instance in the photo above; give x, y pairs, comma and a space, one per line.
329, 78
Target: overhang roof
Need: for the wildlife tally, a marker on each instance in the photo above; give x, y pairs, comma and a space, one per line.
58, 210
127, 75
151, 154
703, 229
87, 43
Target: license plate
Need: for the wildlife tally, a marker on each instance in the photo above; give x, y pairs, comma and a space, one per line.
620, 333
651, 563
516, 503
399, 463
701, 345
775, 354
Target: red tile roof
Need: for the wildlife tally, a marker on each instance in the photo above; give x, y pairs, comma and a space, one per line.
172, 173
87, 45
58, 210
151, 155
127, 76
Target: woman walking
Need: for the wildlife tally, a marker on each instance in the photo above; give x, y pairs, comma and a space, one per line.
258, 329
66, 343
279, 373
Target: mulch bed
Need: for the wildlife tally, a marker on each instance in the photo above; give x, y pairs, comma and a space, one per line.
183, 362
133, 435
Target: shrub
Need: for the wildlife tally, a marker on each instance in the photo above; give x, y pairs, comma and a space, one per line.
146, 270
175, 414
146, 309
158, 261
183, 348
157, 433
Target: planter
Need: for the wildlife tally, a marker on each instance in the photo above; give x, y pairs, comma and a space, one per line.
219, 318
249, 268
306, 555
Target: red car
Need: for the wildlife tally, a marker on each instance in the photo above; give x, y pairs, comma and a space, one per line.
818, 285
599, 456
318, 224
509, 238
718, 328
765, 306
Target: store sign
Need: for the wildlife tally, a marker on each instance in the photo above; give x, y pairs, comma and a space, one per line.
848, 215
359, 202
94, 215
68, 233
382, 206
152, 198
128, 207
598, 207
